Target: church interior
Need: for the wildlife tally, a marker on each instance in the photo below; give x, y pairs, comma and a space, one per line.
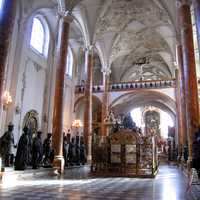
99, 99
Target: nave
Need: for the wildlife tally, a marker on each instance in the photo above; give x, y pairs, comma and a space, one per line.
76, 184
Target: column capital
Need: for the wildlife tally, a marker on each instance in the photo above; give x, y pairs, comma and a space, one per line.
89, 49
106, 71
178, 42
66, 16
180, 3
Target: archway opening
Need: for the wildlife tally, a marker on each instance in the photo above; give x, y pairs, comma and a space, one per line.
163, 121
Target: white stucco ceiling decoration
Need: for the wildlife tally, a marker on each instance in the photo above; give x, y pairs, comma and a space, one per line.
128, 42
130, 29
121, 13
133, 67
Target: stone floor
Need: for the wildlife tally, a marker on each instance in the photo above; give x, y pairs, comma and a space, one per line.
170, 184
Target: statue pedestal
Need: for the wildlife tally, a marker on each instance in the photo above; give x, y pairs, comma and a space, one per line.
58, 164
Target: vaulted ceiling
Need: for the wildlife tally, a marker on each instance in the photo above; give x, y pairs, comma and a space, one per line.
135, 38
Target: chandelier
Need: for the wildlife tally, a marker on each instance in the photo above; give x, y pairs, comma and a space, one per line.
7, 100
77, 123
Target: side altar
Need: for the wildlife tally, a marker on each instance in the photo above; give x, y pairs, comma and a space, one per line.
125, 153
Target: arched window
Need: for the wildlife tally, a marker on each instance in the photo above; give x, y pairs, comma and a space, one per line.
1, 4
39, 36
69, 68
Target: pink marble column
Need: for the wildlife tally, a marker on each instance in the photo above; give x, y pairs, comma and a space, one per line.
181, 100
179, 113
189, 73
7, 18
87, 129
196, 4
105, 103
62, 47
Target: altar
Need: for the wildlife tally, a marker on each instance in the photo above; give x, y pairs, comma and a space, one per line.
126, 153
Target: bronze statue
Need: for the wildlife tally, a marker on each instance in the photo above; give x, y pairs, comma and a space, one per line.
7, 146
77, 146
72, 152
128, 122
21, 159
65, 149
37, 151
82, 151
48, 150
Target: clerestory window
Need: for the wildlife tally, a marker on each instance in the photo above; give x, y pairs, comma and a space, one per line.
1, 4
69, 67
39, 36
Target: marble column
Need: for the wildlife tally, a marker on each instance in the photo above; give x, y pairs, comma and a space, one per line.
179, 114
196, 4
189, 73
61, 60
105, 102
87, 129
181, 99
7, 18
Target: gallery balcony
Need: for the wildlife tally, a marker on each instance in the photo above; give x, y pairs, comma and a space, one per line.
134, 85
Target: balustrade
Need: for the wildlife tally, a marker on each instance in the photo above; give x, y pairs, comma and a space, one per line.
131, 85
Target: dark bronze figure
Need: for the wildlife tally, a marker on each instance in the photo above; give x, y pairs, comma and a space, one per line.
37, 151
72, 152
48, 151
82, 151
65, 149
21, 159
128, 122
7, 146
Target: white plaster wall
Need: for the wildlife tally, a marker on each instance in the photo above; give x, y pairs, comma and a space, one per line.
79, 113
34, 80
30, 91
68, 104
30, 78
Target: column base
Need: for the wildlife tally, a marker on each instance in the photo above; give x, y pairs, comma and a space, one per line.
189, 163
89, 159
58, 165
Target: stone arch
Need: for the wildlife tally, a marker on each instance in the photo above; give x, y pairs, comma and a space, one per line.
138, 98
81, 99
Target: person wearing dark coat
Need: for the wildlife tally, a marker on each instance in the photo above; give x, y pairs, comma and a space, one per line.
21, 159
37, 151
48, 150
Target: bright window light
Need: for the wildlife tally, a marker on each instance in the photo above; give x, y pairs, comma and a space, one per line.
136, 115
37, 36
69, 68
166, 121
1, 4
